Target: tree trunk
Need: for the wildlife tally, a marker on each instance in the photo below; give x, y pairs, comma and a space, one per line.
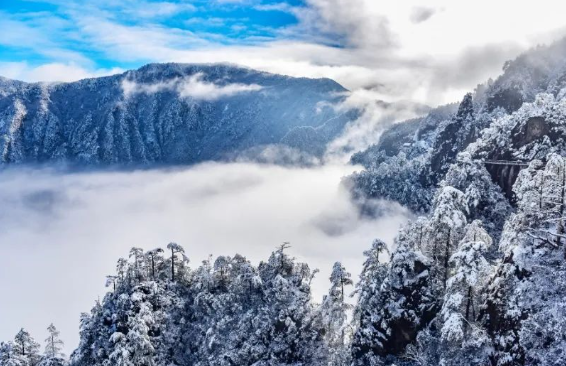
152, 267
447, 258
172, 265
468, 306
560, 228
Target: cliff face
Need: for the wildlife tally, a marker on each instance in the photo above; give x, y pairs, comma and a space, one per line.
165, 113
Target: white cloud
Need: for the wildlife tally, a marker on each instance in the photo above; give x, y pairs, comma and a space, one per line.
64, 232
131, 87
375, 117
381, 43
51, 72
194, 87
157, 9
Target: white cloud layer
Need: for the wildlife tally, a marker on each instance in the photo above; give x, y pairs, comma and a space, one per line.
63, 233
194, 87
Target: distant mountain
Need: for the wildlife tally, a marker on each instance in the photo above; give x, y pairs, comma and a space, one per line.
166, 114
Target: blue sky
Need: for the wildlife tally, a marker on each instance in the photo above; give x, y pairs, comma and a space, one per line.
429, 52
53, 30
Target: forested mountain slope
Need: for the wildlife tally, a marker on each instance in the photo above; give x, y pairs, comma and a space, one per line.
166, 113
479, 279
410, 174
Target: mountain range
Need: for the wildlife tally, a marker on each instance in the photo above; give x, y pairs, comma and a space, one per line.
167, 114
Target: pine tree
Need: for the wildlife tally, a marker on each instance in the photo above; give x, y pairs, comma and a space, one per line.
334, 316
175, 250
465, 341
140, 343
155, 261
53, 344
138, 263
445, 228
404, 305
27, 347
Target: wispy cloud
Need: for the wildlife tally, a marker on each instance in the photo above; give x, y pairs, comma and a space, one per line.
421, 14
194, 87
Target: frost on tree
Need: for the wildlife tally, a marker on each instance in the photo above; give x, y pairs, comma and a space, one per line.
464, 339
334, 316
404, 306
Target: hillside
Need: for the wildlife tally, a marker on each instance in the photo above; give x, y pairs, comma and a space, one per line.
166, 114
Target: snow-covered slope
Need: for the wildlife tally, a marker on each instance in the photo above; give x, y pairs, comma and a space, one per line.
411, 172
165, 113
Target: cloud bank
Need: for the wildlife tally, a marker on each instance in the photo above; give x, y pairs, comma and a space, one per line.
62, 233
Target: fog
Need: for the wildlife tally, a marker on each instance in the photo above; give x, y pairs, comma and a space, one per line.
62, 232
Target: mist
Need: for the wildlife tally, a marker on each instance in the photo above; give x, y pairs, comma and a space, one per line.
61, 232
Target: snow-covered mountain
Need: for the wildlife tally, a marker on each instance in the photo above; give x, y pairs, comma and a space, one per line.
166, 113
414, 156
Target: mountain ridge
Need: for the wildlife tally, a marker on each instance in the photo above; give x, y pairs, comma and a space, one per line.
164, 113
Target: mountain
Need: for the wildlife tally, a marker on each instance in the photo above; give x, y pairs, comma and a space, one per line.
478, 279
417, 159
166, 114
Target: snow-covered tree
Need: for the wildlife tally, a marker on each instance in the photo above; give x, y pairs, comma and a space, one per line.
53, 343
484, 199
155, 261
465, 340
138, 263
9, 356
27, 347
334, 316
175, 250
405, 305
445, 227
139, 339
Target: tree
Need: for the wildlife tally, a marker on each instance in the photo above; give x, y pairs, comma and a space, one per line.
122, 269
374, 271
403, 306
9, 356
53, 344
484, 199
463, 337
27, 347
334, 316
138, 256
111, 281
175, 249
221, 270
154, 259
141, 349
446, 223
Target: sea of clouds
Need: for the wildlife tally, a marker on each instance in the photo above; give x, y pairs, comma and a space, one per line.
61, 232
